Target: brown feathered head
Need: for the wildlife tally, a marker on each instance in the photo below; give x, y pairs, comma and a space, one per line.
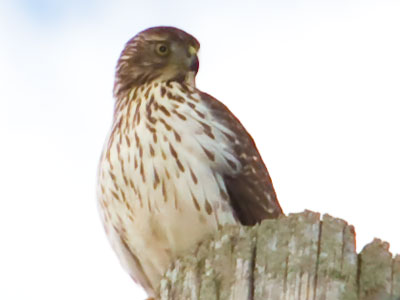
157, 54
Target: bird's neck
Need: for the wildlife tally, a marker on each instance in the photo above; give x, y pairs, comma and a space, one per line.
144, 91
190, 79
125, 87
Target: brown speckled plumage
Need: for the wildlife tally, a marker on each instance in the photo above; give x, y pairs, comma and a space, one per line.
177, 165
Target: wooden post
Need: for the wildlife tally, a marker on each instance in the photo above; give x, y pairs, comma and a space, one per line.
298, 257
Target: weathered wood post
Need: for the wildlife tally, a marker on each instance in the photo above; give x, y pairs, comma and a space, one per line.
298, 257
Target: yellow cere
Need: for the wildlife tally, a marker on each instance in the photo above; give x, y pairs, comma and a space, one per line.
192, 50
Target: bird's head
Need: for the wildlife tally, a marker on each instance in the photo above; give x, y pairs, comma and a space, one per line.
157, 54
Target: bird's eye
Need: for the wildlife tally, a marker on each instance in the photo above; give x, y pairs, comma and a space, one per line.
162, 49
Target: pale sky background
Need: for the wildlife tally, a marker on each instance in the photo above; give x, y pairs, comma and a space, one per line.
316, 83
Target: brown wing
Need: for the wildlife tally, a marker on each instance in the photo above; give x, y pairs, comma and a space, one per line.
251, 192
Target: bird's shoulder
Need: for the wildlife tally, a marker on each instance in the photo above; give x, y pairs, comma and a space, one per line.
250, 189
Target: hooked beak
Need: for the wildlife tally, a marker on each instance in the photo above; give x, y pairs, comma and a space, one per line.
194, 64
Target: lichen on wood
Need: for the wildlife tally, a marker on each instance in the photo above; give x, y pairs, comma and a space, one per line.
299, 257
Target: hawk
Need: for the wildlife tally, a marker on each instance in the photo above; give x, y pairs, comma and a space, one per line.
177, 164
